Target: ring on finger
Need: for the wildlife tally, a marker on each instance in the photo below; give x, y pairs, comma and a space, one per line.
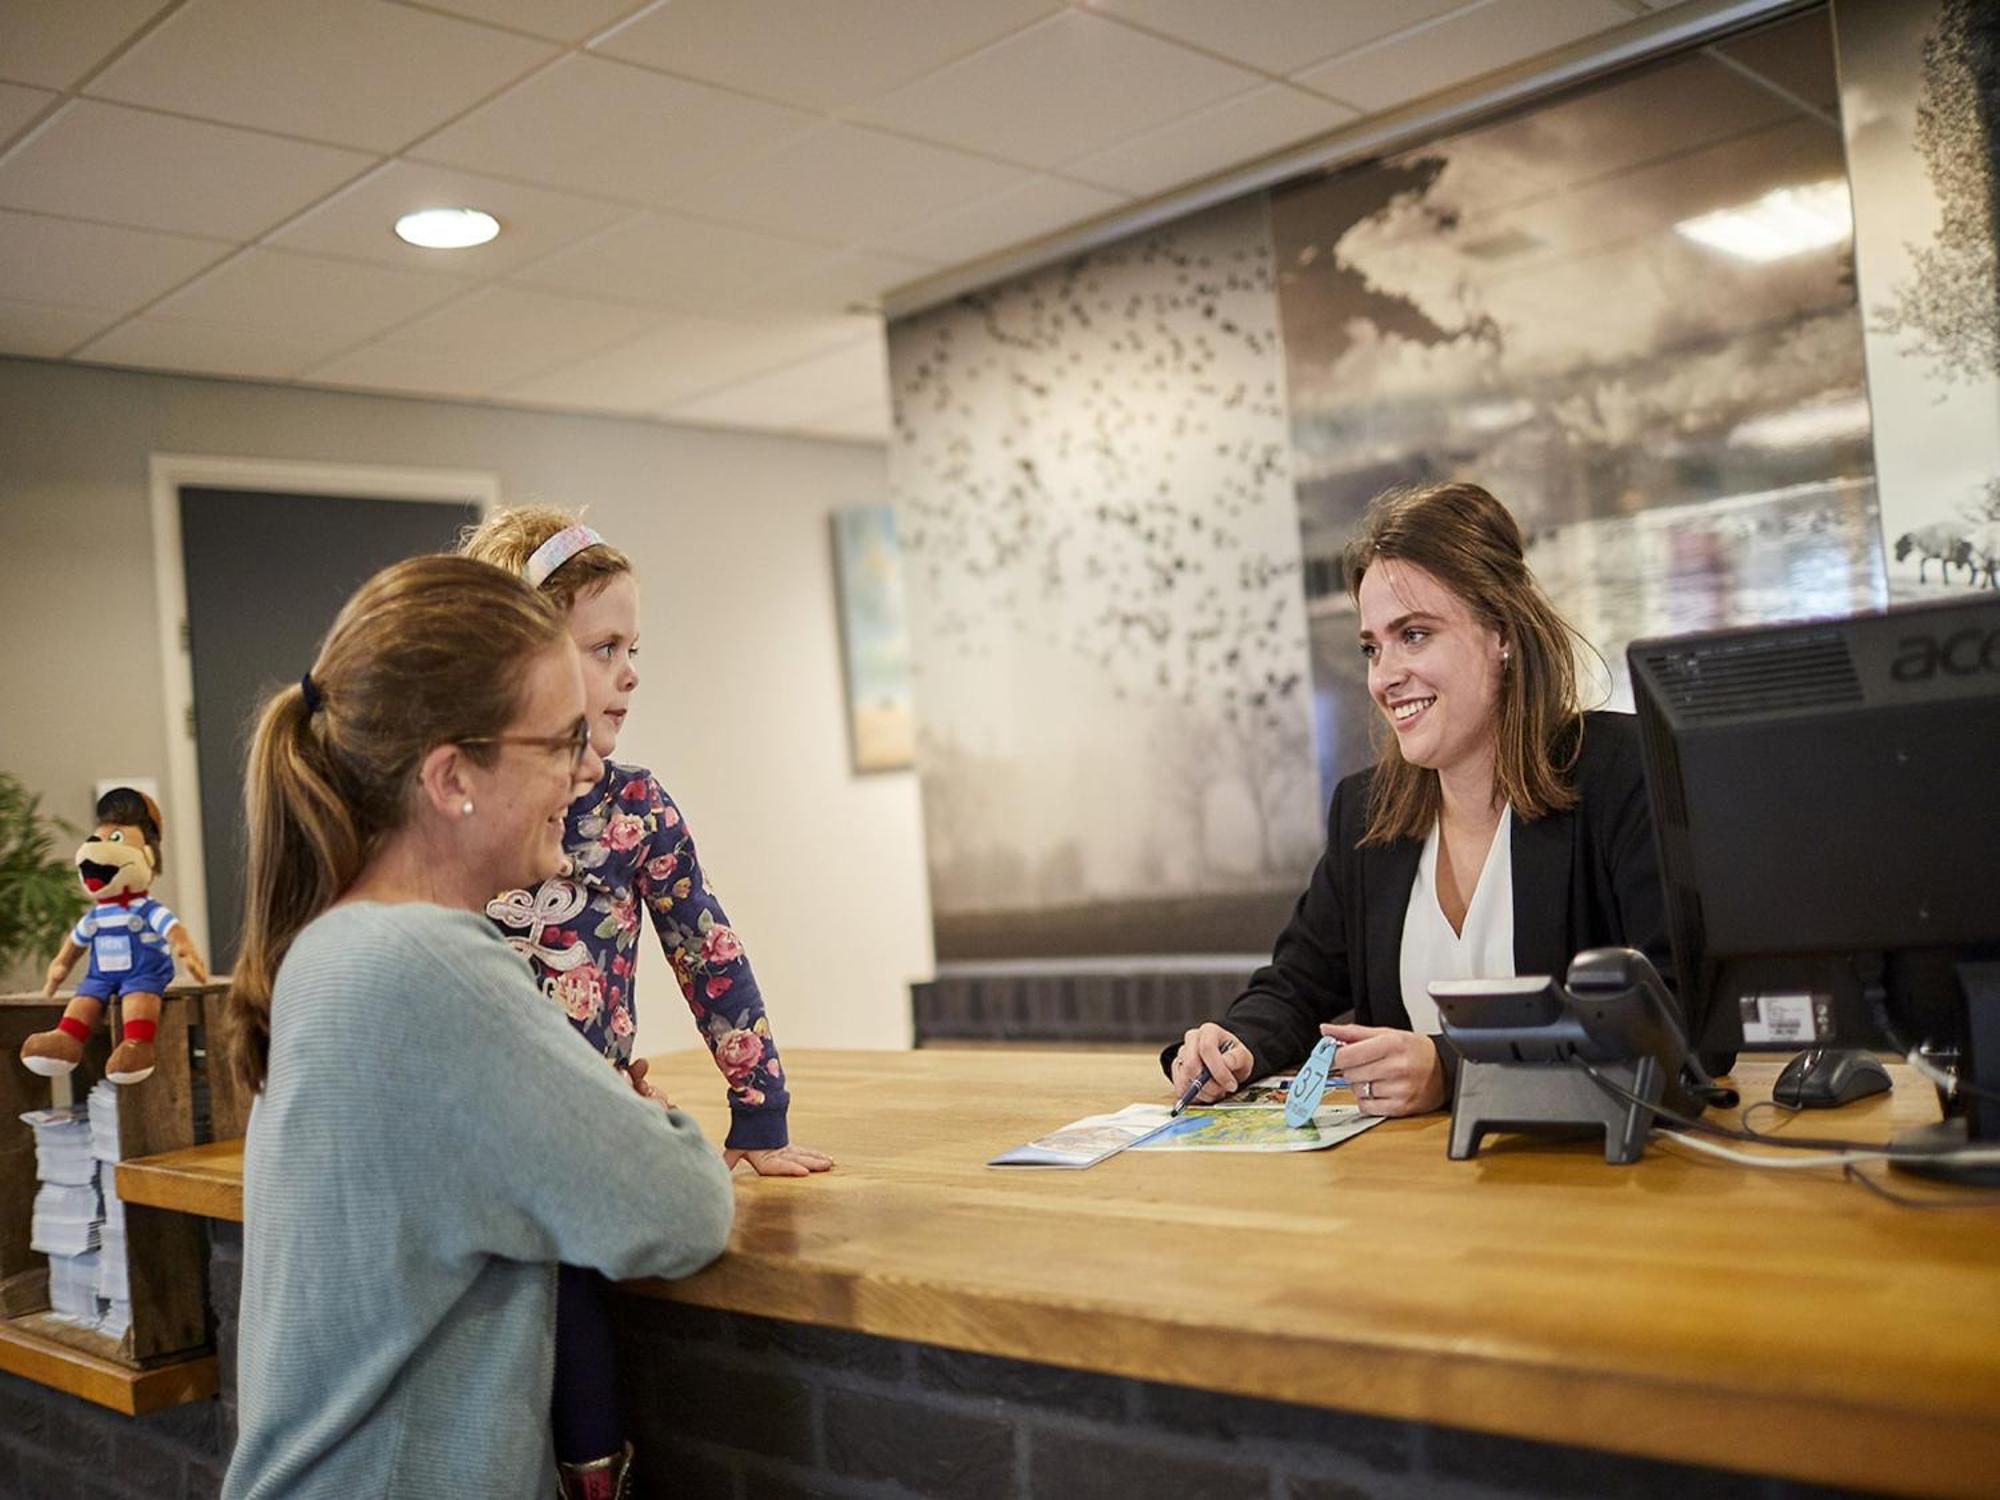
1368, 1088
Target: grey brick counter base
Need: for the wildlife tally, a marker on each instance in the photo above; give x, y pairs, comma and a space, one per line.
727, 1407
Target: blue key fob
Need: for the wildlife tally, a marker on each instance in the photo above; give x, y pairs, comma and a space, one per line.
1310, 1084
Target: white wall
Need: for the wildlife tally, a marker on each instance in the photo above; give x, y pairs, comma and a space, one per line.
740, 710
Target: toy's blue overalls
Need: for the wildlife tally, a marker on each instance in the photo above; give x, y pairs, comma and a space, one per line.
128, 948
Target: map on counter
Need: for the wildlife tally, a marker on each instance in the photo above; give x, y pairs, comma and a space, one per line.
1149, 1127
1268, 1092
1240, 1129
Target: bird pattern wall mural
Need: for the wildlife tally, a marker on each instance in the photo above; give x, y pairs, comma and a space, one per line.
1091, 467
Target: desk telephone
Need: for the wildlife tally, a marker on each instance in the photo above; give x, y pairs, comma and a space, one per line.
1522, 1040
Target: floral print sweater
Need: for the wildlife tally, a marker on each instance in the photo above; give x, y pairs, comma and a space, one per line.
628, 849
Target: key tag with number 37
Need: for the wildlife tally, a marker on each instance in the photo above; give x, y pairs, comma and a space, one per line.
1304, 1096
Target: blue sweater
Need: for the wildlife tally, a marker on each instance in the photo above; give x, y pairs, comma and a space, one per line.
431, 1140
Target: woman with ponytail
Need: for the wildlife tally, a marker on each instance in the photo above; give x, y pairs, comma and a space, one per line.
430, 1139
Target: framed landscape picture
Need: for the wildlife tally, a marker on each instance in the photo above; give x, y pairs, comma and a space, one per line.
875, 638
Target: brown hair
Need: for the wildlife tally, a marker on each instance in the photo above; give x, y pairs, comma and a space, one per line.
428, 652
1467, 540
508, 538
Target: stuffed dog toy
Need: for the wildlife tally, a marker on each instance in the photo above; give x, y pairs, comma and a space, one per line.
128, 936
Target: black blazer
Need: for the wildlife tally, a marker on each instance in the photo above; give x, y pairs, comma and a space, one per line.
1585, 878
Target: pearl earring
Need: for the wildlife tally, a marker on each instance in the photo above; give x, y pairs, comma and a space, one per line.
466, 810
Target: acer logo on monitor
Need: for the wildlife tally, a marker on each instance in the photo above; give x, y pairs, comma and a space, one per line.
1960, 654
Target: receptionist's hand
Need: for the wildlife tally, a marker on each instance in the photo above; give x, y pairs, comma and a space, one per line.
1205, 1047
1392, 1072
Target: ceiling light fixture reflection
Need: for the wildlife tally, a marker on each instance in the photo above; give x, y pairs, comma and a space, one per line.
1784, 222
447, 228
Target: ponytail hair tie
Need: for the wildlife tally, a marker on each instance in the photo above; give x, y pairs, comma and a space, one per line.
310, 689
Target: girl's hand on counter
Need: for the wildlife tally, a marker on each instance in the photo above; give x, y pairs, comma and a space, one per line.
781, 1161
635, 1074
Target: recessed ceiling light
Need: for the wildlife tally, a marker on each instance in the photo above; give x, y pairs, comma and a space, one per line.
1785, 221
447, 228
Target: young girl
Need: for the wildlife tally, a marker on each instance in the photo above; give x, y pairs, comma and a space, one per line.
628, 849
428, 1140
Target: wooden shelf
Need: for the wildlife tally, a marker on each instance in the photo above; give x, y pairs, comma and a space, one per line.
202, 1180
179, 990
36, 1357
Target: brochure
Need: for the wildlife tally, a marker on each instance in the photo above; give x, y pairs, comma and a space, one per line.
1150, 1127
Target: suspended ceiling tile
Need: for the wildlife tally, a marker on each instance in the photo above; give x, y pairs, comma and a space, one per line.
56, 42
827, 382
360, 221
1415, 64
683, 356
506, 333
1213, 140
866, 423
339, 302
357, 72
1279, 36
1065, 87
206, 349
67, 263
1034, 208
45, 330
845, 184
407, 371
673, 260
605, 127
129, 166
19, 105
559, 20
820, 56
854, 280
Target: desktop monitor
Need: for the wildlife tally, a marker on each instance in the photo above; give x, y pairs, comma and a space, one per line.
1826, 800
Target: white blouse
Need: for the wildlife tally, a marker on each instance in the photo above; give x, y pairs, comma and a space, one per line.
1483, 950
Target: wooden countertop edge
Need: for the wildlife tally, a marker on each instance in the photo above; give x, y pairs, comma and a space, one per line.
133, 1392
171, 1181
1892, 1449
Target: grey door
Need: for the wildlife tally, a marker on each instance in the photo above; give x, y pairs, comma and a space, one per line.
266, 574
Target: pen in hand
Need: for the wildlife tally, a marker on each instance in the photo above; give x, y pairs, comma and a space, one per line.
1201, 1081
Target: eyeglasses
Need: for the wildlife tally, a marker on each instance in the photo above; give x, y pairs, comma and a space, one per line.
577, 742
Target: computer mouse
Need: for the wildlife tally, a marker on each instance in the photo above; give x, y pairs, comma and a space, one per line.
1826, 1077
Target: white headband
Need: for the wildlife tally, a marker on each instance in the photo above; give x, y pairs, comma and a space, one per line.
558, 550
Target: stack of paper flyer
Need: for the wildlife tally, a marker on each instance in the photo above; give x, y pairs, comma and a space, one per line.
103, 1107
114, 1285
1251, 1120
73, 1287
68, 1220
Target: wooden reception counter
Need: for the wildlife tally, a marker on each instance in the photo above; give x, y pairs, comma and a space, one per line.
1782, 1323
